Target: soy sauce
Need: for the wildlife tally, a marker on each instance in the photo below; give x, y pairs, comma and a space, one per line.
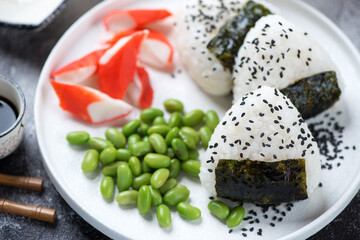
8, 114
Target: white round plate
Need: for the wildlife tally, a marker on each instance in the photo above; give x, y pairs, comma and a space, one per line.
297, 221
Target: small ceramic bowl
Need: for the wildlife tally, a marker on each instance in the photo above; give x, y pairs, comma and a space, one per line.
12, 136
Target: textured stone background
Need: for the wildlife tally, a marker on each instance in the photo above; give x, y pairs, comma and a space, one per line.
22, 55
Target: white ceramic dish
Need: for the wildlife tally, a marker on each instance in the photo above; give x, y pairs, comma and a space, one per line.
81, 191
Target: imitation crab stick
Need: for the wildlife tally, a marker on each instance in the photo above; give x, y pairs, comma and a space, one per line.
79, 70
90, 104
117, 66
133, 19
140, 90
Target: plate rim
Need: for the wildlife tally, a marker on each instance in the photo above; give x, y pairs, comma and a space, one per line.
304, 232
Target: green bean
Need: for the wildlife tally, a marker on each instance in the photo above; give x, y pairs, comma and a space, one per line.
160, 129
173, 105
91, 161
235, 217
127, 197
141, 148
77, 137
180, 149
189, 141
159, 121
193, 154
111, 169
149, 114
175, 120
123, 154
159, 177
108, 155
205, 135
212, 119
175, 195
163, 215
173, 133
131, 127
124, 177
144, 199
191, 132
135, 166
133, 138
191, 167
99, 144
158, 143
116, 137
145, 168
143, 179
169, 184
156, 198
219, 209
193, 118
174, 168
187, 211
144, 128
170, 152
107, 187
155, 160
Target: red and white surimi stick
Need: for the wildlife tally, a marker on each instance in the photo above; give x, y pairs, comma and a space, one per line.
133, 19
90, 104
117, 66
140, 90
80, 70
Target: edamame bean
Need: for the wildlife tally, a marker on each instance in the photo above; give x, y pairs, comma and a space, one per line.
91, 161
111, 169
170, 152
127, 197
143, 179
145, 168
191, 167
146, 139
158, 143
160, 129
205, 135
159, 177
193, 154
135, 166
159, 121
141, 148
77, 137
156, 198
187, 211
124, 177
175, 120
235, 217
144, 128
174, 168
173, 105
169, 184
163, 215
144, 199
108, 155
133, 138
189, 141
149, 114
193, 118
173, 133
180, 149
212, 119
219, 209
175, 195
107, 187
123, 154
131, 127
99, 144
155, 160
191, 132
116, 137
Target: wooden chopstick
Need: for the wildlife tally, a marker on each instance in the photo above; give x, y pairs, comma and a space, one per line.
36, 212
22, 182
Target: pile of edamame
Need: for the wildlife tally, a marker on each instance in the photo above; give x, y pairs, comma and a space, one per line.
146, 156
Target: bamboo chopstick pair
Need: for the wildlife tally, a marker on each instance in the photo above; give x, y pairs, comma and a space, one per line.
36, 212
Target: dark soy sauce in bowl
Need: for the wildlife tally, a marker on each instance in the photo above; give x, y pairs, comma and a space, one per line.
8, 114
